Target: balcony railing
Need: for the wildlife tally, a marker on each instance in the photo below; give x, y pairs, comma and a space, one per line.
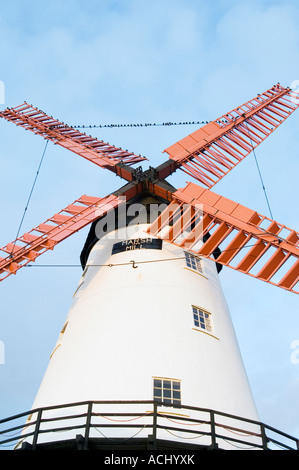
137, 425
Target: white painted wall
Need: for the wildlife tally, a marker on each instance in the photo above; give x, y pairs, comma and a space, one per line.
128, 325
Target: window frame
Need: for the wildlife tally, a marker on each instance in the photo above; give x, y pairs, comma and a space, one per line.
206, 323
171, 391
197, 265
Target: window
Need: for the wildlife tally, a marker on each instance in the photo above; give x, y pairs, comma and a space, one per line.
201, 319
167, 391
193, 262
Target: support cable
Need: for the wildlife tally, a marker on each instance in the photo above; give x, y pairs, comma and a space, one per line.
31, 191
260, 175
132, 263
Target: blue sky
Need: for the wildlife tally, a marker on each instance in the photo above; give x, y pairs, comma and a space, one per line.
127, 61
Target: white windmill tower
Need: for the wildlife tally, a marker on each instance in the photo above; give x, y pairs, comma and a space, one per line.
147, 356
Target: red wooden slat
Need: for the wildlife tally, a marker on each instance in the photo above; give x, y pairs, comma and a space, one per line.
274, 263
251, 258
291, 277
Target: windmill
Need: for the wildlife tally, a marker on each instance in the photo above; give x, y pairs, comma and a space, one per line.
159, 328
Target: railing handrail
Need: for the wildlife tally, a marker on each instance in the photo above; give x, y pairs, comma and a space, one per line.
212, 422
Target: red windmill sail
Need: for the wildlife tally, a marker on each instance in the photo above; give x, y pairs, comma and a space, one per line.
98, 152
238, 232
209, 153
244, 239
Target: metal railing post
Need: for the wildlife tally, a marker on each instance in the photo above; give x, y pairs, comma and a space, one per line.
37, 427
264, 437
155, 417
213, 430
87, 429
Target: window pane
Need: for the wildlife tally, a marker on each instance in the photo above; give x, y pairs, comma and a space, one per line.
169, 392
201, 319
157, 383
193, 262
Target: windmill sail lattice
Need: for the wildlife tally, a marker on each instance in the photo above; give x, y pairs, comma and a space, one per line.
98, 152
209, 153
238, 232
45, 236
246, 239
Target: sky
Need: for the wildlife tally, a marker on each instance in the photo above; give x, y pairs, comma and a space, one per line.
132, 61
